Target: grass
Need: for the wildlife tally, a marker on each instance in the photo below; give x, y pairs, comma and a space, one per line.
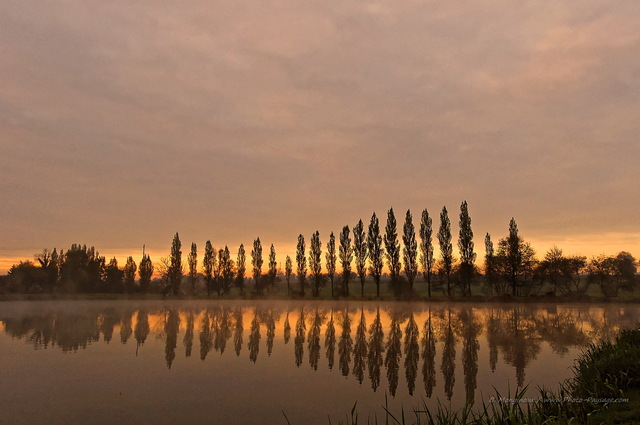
605, 390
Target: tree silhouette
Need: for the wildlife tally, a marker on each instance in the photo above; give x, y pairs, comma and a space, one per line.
392, 246
271, 331
288, 270
410, 252
273, 267
227, 270
465, 245
360, 253
470, 346
426, 248
256, 262
208, 265
449, 359
287, 329
515, 259
446, 249
374, 243
206, 334
171, 329
490, 266
142, 328
113, 277
315, 258
175, 271
193, 267
241, 268
346, 255
129, 271
330, 256
301, 259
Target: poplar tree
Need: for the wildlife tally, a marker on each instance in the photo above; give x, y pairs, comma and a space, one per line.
256, 262
241, 268
193, 267
301, 259
273, 266
130, 269
288, 270
426, 248
360, 253
392, 246
465, 246
175, 270
446, 249
374, 245
489, 264
208, 264
330, 256
346, 255
315, 258
227, 270
145, 271
410, 252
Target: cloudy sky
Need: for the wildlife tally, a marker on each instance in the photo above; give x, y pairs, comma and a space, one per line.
123, 122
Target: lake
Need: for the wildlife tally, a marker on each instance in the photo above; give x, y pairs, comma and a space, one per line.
245, 362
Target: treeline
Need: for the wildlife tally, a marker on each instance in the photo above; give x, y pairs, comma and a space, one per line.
359, 253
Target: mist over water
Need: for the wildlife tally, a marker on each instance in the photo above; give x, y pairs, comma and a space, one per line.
248, 361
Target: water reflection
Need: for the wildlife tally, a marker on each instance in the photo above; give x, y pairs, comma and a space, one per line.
411, 337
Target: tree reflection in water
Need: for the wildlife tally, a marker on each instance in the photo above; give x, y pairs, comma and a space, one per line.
330, 342
345, 345
301, 327
374, 361
412, 353
428, 356
512, 336
360, 349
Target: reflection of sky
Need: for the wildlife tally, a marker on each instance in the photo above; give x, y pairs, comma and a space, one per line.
225, 382
123, 123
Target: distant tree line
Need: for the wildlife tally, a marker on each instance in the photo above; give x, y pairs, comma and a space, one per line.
510, 268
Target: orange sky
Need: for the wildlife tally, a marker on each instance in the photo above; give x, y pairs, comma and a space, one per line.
236, 120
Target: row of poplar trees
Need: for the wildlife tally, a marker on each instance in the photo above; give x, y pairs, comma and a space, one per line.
366, 249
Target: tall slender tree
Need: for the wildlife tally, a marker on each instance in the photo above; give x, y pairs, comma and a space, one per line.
273, 267
346, 255
315, 258
330, 256
193, 267
227, 270
145, 271
256, 262
288, 270
410, 252
360, 253
489, 265
465, 246
426, 248
446, 249
374, 245
515, 258
301, 259
241, 268
129, 274
175, 271
392, 246
208, 264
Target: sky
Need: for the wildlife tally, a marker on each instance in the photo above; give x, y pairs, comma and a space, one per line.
122, 123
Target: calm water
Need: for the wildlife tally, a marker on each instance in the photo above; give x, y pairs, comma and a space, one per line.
238, 362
